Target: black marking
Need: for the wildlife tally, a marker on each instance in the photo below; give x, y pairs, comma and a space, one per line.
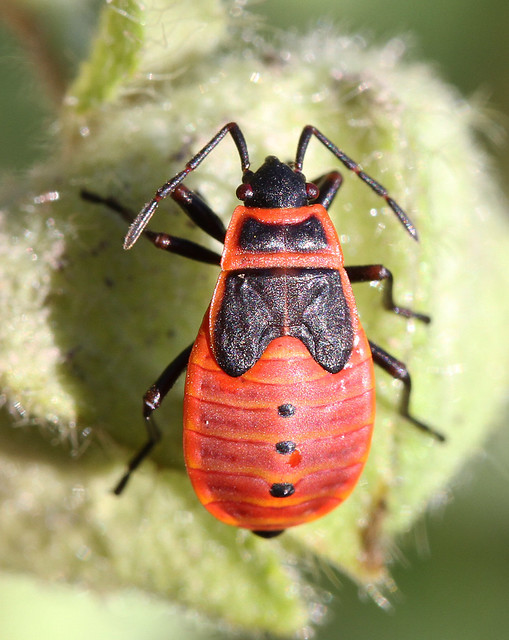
260, 305
286, 410
285, 447
304, 237
269, 534
282, 490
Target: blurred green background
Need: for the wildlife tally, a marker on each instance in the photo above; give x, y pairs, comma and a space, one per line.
453, 570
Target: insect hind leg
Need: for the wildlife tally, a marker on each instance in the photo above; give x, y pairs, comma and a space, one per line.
151, 401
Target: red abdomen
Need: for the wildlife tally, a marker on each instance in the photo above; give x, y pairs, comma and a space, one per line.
282, 444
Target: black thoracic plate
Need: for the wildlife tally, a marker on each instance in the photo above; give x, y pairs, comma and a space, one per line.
260, 305
304, 237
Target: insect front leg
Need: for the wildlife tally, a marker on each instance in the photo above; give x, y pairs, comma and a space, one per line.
197, 210
328, 185
398, 370
379, 273
151, 401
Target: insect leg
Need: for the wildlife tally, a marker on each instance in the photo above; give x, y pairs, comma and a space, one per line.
399, 371
328, 186
152, 401
377, 272
199, 212
164, 241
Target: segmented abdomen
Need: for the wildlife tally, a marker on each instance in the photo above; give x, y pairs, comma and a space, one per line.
282, 444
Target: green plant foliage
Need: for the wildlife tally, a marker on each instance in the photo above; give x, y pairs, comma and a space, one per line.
87, 327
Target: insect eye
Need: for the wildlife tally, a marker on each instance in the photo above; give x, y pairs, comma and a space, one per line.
244, 192
312, 190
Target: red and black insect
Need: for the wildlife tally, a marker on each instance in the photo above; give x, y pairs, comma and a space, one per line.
279, 398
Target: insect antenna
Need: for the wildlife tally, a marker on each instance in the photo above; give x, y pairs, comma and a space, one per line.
350, 164
142, 219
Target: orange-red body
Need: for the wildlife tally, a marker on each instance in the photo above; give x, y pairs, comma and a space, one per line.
279, 399
232, 424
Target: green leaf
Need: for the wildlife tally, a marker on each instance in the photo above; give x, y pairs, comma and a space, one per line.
86, 327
